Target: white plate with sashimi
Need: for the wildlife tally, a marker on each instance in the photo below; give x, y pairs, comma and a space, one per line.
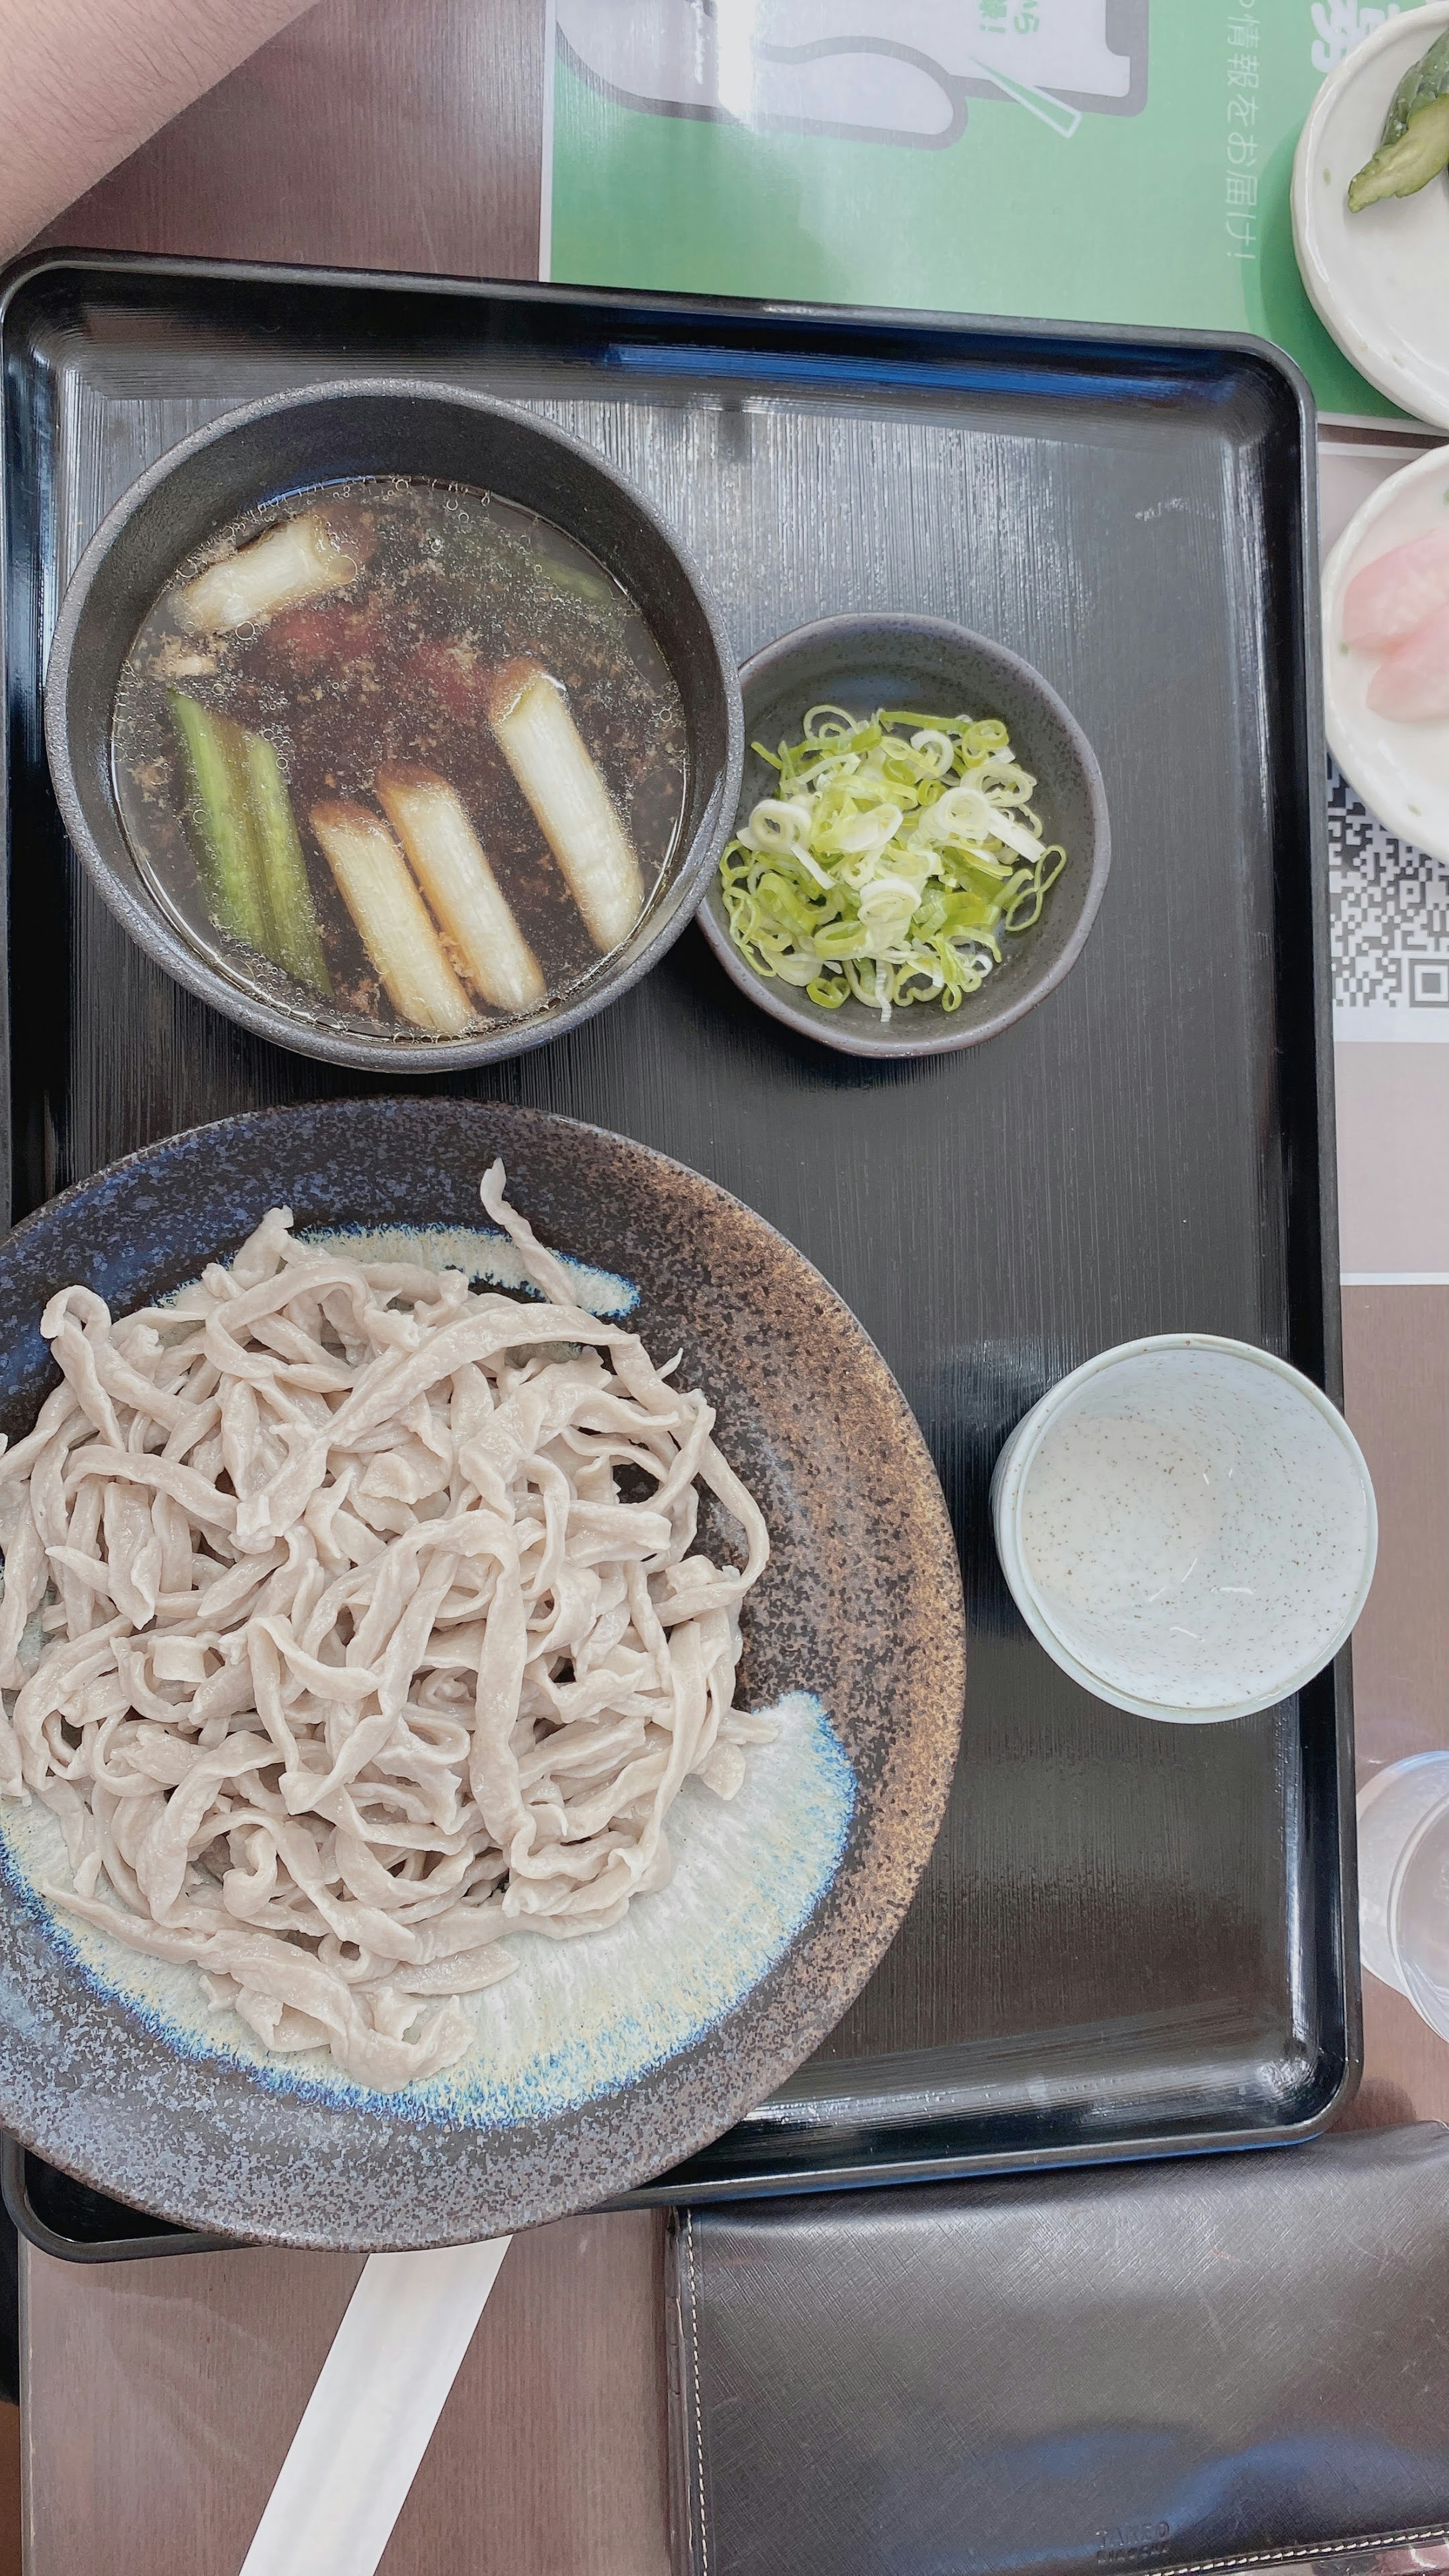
1386, 652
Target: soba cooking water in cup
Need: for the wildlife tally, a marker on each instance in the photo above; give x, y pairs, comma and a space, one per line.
1188, 1527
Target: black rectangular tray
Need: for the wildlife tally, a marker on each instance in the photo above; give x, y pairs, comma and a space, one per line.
1133, 1939
67, 2219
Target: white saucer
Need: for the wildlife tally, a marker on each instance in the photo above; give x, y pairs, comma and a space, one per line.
1377, 279
1400, 770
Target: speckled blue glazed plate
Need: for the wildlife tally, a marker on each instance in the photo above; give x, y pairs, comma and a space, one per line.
599, 2062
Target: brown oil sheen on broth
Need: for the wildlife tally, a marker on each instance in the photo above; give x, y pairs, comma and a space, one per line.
391, 671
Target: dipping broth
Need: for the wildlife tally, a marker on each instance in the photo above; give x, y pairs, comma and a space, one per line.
400, 756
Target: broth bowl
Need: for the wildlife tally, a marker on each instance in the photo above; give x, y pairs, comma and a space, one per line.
1188, 1526
337, 433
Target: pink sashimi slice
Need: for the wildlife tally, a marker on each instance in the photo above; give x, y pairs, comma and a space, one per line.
1393, 595
1411, 684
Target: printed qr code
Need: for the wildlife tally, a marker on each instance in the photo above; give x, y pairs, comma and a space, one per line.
1389, 910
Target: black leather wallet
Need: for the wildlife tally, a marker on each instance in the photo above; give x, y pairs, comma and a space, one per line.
1219, 2361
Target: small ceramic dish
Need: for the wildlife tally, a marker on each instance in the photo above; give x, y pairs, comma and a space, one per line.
331, 433
1400, 770
1187, 1525
1376, 279
864, 662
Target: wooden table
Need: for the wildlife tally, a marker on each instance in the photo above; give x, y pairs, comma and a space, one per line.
162, 2395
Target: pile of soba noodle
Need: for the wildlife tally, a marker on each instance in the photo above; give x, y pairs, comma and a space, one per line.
350, 1658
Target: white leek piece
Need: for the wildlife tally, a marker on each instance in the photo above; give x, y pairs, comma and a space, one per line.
391, 918
301, 558
542, 746
449, 862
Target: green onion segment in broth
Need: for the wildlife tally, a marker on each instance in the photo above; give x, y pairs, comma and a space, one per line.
893, 859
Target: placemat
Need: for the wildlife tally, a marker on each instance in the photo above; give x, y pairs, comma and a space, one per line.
1081, 160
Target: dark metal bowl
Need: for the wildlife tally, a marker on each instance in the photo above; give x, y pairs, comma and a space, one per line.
864, 662
333, 432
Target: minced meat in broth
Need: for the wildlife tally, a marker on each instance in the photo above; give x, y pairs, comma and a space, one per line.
436, 608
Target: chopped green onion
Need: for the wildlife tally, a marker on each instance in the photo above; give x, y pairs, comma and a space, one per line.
890, 861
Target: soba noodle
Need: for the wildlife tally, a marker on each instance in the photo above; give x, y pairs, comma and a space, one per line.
332, 1642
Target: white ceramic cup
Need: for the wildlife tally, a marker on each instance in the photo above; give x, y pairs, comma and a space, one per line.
1187, 1526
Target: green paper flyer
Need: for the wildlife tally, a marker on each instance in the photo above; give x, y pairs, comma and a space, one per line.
1069, 160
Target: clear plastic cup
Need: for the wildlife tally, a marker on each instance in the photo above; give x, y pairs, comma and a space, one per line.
1403, 1880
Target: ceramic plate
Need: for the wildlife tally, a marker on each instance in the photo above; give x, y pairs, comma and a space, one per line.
1400, 770
603, 2061
1376, 278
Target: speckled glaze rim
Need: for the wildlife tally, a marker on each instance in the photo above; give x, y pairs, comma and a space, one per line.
90, 2085
1008, 1484
688, 870
807, 1017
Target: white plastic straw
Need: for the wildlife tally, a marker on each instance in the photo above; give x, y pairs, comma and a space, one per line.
370, 2417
